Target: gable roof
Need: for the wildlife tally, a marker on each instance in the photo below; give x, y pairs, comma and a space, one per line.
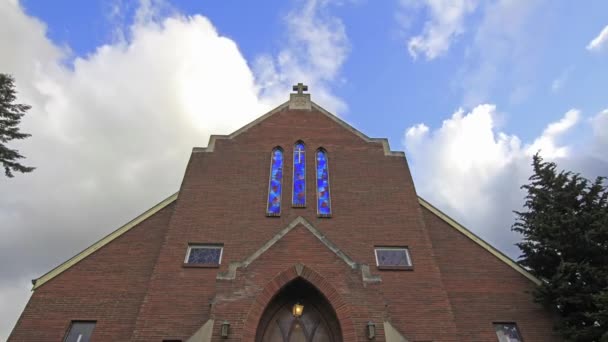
387, 150
102, 242
210, 148
502, 257
133, 223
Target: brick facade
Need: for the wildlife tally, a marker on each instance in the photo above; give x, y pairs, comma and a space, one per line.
108, 287
137, 288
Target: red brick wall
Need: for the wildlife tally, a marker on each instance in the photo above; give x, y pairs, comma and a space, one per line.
223, 200
108, 287
483, 289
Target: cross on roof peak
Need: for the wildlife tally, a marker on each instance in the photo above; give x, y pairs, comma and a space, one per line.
300, 88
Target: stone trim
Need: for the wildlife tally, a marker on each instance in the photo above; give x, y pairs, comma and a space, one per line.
264, 297
366, 275
232, 267
300, 102
391, 334
204, 333
387, 150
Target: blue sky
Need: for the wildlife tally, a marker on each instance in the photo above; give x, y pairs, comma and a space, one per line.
379, 67
122, 90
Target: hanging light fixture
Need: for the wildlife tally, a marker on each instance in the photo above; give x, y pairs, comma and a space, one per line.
297, 310
371, 330
225, 329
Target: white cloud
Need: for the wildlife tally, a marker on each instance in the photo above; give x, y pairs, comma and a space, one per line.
504, 47
546, 143
599, 42
316, 46
474, 171
111, 133
444, 25
600, 135
501, 43
561, 80
417, 132
600, 124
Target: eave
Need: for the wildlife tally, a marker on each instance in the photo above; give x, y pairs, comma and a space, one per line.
102, 242
498, 254
131, 224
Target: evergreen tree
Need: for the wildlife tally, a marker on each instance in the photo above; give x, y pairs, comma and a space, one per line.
10, 117
565, 243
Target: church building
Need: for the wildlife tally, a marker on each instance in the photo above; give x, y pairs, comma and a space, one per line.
296, 227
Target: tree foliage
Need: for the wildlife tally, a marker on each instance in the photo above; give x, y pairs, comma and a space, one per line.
10, 117
565, 243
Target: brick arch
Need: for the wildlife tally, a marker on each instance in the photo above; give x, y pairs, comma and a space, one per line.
274, 286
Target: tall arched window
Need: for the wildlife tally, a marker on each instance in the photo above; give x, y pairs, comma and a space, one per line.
275, 185
323, 195
298, 198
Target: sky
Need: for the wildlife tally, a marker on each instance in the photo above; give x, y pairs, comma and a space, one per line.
122, 90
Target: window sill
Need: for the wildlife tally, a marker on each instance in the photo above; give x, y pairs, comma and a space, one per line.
186, 265
396, 268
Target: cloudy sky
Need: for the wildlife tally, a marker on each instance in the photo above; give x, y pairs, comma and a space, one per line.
121, 91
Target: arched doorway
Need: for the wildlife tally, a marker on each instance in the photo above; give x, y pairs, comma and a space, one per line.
318, 322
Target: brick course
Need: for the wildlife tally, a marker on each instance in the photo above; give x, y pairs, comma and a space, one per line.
222, 199
107, 287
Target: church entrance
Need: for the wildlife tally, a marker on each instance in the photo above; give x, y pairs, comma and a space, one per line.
299, 313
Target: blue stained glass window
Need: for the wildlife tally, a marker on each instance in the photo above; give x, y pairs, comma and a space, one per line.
298, 198
206, 255
275, 183
323, 196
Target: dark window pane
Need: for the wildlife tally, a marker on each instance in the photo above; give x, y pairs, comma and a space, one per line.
299, 176
507, 332
275, 184
80, 332
323, 198
392, 257
204, 255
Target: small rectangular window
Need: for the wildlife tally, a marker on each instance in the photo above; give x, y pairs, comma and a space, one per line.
393, 258
507, 332
80, 331
204, 255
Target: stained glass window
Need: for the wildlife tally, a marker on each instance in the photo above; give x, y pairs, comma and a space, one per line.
298, 198
393, 257
323, 197
80, 332
204, 255
275, 183
507, 332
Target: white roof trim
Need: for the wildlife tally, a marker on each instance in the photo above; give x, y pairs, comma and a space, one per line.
498, 254
367, 276
104, 241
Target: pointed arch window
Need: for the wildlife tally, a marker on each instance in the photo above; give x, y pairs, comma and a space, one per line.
275, 185
323, 194
298, 198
